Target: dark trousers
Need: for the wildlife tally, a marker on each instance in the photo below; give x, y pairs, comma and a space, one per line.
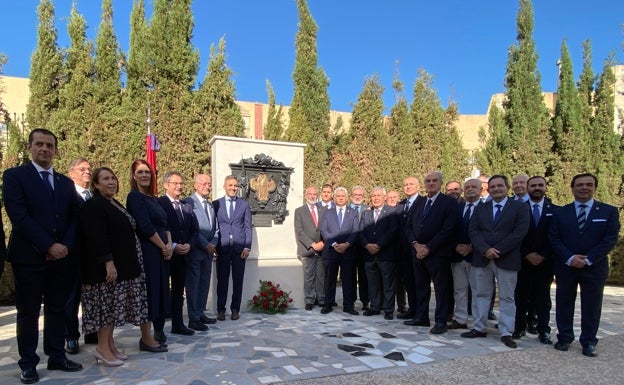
33, 283
425, 271
533, 289
406, 267
227, 260
381, 284
198, 271
359, 284
72, 305
331, 276
177, 271
592, 287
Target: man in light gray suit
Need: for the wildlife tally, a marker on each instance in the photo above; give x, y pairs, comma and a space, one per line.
496, 231
199, 259
309, 247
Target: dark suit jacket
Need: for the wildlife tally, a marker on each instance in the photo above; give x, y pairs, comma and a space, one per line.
306, 232
3, 249
506, 236
38, 221
461, 232
536, 240
405, 218
331, 233
238, 228
105, 234
185, 232
597, 239
437, 229
383, 233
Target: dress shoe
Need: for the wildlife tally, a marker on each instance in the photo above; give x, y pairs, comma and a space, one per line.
99, 358
562, 346
73, 347
491, 315
351, 311
196, 325
64, 365
531, 329
509, 342
456, 325
369, 313
388, 316
417, 322
221, 316
183, 330
309, 306
518, 334
406, 315
160, 336
401, 309
589, 350
208, 321
334, 303
326, 309
120, 355
474, 334
152, 349
235, 315
545, 338
29, 376
90, 338
438, 329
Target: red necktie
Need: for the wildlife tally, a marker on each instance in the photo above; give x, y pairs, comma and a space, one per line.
313, 213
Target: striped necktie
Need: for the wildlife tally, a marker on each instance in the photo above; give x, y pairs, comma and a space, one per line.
581, 218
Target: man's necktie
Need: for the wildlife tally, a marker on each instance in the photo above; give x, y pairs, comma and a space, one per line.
468, 213
178, 211
46, 179
498, 212
87, 194
313, 213
340, 218
427, 208
376, 215
231, 208
581, 218
536, 214
408, 204
205, 202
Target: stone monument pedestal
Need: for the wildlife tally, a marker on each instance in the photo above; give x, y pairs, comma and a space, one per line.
273, 253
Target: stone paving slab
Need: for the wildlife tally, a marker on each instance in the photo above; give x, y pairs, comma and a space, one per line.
297, 346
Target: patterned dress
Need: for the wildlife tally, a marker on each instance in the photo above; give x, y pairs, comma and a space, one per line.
115, 303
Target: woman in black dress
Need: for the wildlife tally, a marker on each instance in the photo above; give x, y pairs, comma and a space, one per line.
155, 239
114, 291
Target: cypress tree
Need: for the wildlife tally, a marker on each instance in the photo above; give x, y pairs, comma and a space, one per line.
402, 133
309, 110
45, 69
493, 158
586, 86
273, 129
526, 116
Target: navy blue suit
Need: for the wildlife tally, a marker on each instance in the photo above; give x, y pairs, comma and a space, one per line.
236, 235
181, 233
405, 256
596, 240
40, 219
436, 230
533, 286
331, 234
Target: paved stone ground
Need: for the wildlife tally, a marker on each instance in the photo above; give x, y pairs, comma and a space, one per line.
336, 348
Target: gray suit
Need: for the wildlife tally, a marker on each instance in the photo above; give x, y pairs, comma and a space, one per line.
506, 236
307, 233
199, 260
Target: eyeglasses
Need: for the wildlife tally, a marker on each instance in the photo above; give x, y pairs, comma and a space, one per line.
176, 183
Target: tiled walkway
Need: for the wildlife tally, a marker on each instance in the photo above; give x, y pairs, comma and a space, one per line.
261, 349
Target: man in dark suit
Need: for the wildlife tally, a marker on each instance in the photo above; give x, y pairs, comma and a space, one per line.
339, 231
327, 197
360, 281
234, 218
308, 219
497, 228
378, 230
3, 250
183, 227
431, 234
582, 233
404, 210
42, 206
79, 171
199, 259
462, 258
536, 274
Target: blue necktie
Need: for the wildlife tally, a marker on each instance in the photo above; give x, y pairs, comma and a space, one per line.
468, 213
497, 214
536, 214
46, 179
231, 208
427, 208
340, 218
178, 211
207, 213
581, 217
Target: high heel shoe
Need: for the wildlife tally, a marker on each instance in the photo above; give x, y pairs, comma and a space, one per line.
156, 349
120, 355
105, 362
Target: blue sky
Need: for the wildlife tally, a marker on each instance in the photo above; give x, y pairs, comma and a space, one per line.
463, 44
